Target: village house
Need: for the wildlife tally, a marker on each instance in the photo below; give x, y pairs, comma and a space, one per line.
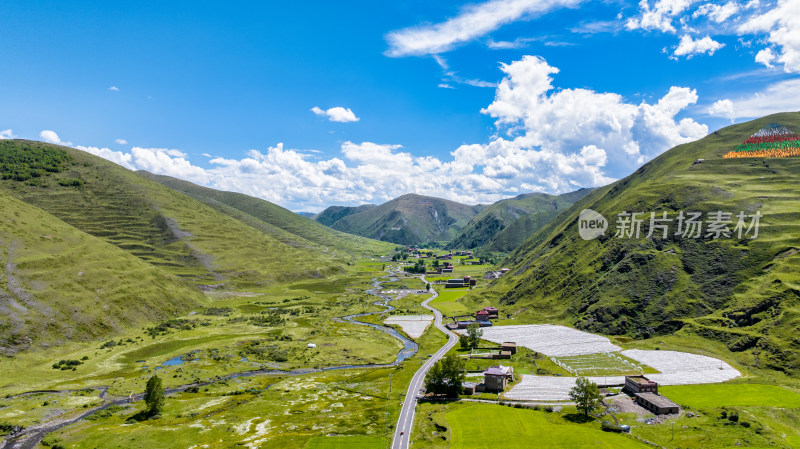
468, 387
496, 378
493, 312
657, 404
509, 346
639, 384
454, 283
487, 313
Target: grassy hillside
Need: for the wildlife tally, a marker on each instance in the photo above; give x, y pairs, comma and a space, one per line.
409, 220
743, 292
333, 214
58, 283
285, 225
506, 224
157, 224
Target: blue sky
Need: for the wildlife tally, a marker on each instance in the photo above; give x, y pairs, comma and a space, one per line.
309, 104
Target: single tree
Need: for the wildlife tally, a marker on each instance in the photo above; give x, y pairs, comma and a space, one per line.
446, 376
586, 395
154, 396
428, 287
472, 338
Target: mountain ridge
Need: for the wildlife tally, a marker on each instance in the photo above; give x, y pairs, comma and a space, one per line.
743, 293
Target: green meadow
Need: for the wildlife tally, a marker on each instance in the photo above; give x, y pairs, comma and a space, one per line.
478, 426
732, 395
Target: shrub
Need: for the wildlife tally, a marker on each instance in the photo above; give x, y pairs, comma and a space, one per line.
608, 427
71, 182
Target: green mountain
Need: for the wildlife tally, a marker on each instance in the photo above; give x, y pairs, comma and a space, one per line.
282, 224
410, 220
61, 284
90, 247
333, 214
742, 292
506, 224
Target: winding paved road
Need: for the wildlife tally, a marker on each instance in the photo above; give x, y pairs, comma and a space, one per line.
405, 422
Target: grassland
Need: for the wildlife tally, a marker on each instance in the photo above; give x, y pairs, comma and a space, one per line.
488, 426
62, 284
726, 415
733, 395
228, 334
355, 442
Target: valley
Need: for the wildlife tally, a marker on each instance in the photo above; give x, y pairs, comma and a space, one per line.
268, 329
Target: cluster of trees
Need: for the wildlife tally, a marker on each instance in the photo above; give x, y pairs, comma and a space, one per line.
446, 376
399, 256
22, 163
418, 267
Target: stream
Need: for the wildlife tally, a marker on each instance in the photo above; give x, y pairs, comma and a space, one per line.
409, 347
30, 437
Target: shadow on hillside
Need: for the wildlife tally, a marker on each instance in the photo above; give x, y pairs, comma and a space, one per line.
578, 418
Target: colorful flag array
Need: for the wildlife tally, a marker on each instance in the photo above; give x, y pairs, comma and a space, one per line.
773, 141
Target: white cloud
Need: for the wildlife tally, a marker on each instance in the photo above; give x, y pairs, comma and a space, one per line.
114, 89
689, 47
557, 141
778, 97
121, 141
118, 157
597, 27
658, 17
51, 137
168, 162
7, 134
717, 13
782, 26
722, 108
445, 86
767, 57
473, 21
519, 42
336, 114
567, 120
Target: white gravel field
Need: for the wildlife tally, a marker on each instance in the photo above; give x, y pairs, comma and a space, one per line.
551, 340
413, 325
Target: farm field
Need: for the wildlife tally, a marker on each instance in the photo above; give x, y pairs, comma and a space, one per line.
594, 356
487, 426
601, 364
447, 303
732, 395
551, 340
682, 368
